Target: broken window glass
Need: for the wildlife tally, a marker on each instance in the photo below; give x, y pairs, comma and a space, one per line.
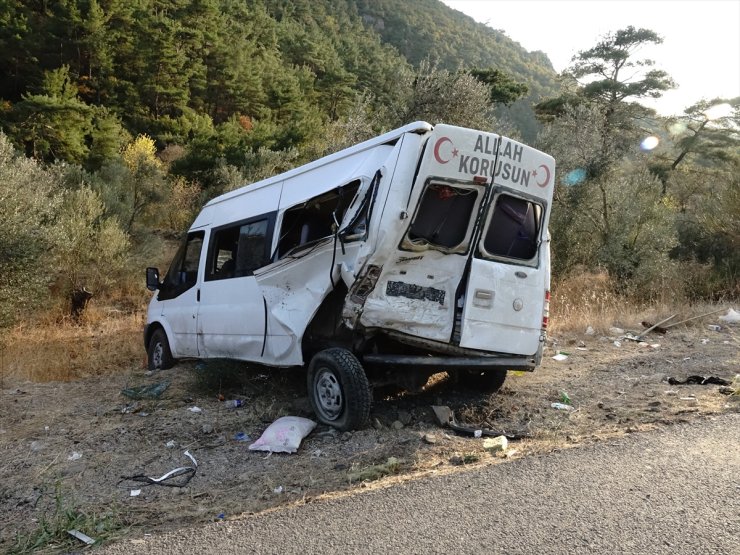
444, 217
514, 228
314, 219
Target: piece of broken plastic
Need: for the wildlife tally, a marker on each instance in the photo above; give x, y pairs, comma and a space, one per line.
560, 357
561, 406
195, 409
80, 536
284, 435
165, 479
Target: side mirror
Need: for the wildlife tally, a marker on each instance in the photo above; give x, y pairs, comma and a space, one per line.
152, 279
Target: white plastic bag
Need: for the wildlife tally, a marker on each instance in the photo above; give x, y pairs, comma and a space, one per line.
732, 317
284, 435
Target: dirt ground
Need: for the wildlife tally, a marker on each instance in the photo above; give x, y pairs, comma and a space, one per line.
65, 447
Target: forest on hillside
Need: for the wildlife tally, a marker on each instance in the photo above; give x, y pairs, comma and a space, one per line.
119, 119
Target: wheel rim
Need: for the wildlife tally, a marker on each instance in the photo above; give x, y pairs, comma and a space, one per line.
157, 355
328, 394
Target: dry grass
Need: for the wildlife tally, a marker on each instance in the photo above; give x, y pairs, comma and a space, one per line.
106, 341
589, 300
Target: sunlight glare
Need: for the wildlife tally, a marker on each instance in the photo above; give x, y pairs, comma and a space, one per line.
649, 143
718, 111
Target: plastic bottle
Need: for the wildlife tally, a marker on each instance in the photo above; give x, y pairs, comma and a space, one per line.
234, 403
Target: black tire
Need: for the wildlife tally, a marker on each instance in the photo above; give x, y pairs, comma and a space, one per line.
488, 381
338, 389
158, 353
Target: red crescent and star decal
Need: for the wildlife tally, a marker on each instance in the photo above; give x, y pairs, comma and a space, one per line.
544, 183
441, 141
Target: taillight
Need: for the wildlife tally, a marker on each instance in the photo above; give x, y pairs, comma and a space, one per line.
546, 310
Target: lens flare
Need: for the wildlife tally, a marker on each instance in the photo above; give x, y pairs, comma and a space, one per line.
649, 143
574, 177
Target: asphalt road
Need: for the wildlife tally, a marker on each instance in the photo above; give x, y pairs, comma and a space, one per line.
673, 490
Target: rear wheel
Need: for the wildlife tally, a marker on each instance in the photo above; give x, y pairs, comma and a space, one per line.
159, 354
489, 381
339, 390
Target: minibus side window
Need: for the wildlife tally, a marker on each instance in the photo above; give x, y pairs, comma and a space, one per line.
183, 272
238, 250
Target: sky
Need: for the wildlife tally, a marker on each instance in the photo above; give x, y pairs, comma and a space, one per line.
700, 49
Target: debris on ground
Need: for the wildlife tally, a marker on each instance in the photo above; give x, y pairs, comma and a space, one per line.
561, 406
495, 444
195, 409
84, 538
151, 391
445, 417
699, 380
560, 357
187, 472
284, 435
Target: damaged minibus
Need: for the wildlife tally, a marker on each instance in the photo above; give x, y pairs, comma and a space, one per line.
420, 251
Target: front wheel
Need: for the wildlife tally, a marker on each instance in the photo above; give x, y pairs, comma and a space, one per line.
158, 353
339, 390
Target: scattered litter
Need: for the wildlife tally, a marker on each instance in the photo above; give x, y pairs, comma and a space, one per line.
187, 471
221, 516
241, 436
561, 406
616, 331
170, 444
656, 326
581, 349
135, 493
151, 391
74, 456
670, 392
732, 316
284, 435
84, 538
655, 345
195, 409
234, 403
686, 359
278, 490
517, 372
446, 417
699, 380
478, 433
316, 453
560, 357
714, 327
590, 331
705, 341
495, 444
617, 343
